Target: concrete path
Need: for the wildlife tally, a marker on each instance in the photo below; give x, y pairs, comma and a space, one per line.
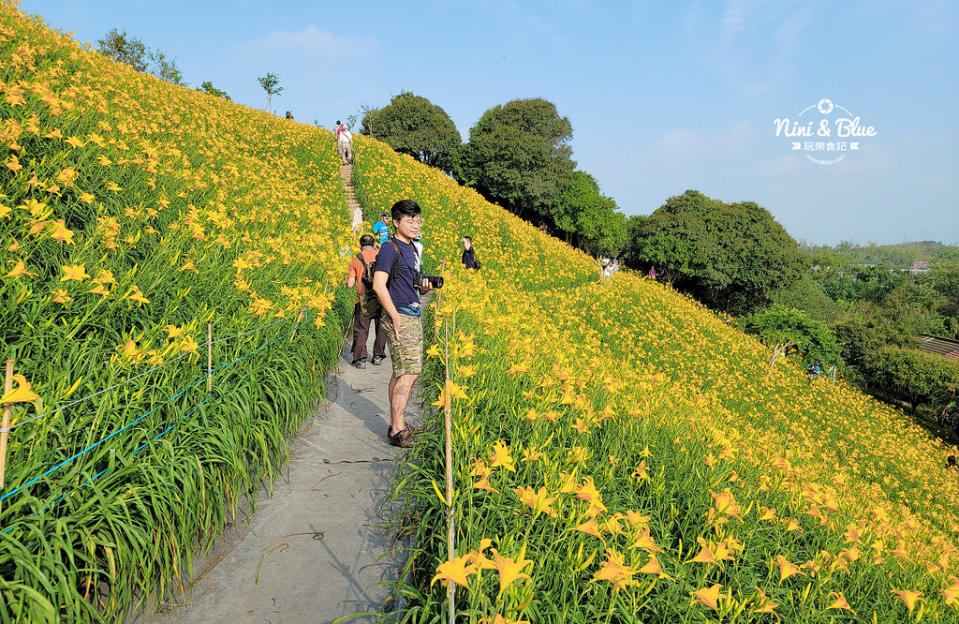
314, 551
353, 205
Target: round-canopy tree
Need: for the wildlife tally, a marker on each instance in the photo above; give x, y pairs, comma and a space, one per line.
518, 156
588, 218
413, 125
729, 256
812, 339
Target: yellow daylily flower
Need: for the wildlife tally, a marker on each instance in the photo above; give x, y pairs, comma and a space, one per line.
707, 596
134, 294
501, 457
510, 570
908, 597
76, 272
19, 270
615, 571
456, 570
22, 393
61, 296
840, 602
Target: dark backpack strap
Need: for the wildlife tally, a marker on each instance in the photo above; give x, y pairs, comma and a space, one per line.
395, 269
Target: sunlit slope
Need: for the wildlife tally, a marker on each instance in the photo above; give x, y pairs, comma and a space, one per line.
605, 424
133, 213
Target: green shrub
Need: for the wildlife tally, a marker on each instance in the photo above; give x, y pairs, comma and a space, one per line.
813, 339
923, 380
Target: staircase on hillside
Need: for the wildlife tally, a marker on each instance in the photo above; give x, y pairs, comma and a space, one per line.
352, 204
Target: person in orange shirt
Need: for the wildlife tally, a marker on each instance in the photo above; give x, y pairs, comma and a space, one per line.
361, 324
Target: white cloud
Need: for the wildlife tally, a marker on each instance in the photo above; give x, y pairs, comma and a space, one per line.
314, 43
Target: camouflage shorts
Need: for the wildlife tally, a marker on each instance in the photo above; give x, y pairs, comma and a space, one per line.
406, 350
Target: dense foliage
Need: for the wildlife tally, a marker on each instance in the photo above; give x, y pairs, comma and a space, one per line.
874, 311
413, 125
731, 257
795, 330
207, 87
914, 377
587, 218
622, 454
133, 213
518, 156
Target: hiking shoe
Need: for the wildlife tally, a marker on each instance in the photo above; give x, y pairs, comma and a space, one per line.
402, 439
377, 359
360, 364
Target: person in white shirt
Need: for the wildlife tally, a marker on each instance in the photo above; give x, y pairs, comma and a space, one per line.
344, 143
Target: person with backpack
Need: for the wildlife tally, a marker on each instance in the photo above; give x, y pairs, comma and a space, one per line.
398, 286
361, 275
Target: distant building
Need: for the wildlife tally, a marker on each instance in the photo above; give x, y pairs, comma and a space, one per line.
946, 347
919, 266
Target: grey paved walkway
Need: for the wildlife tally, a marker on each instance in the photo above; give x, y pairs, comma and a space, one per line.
313, 552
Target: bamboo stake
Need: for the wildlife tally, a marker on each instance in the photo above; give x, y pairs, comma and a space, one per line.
439, 300
209, 357
7, 387
448, 430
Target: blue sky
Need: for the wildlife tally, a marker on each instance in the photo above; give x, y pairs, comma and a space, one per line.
662, 96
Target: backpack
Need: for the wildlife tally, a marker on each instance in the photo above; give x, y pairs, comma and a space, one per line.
370, 306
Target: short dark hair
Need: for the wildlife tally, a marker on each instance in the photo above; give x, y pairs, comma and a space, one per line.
405, 208
337, 122
367, 241
469, 238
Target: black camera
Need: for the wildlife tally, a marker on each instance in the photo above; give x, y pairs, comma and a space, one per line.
435, 281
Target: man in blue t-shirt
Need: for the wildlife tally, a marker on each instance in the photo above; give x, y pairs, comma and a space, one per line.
381, 228
395, 284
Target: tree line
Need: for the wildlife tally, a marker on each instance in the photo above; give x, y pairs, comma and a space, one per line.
816, 305
518, 156
125, 48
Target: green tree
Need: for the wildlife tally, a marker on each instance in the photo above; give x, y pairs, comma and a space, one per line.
271, 84
588, 218
166, 68
729, 256
923, 380
125, 49
944, 278
808, 295
413, 125
207, 87
873, 283
863, 332
518, 156
912, 308
812, 339
634, 229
